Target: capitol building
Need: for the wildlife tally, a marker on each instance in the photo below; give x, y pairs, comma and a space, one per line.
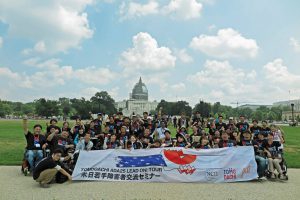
137, 102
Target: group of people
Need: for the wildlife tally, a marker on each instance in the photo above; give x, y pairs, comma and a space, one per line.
141, 132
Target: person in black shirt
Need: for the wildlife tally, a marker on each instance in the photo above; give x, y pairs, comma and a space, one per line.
265, 130
261, 161
231, 125
66, 127
53, 123
47, 168
225, 141
145, 119
75, 129
175, 122
61, 141
36, 143
255, 129
146, 138
242, 125
112, 125
220, 125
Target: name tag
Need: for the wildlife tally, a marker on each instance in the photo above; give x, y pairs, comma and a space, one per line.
37, 145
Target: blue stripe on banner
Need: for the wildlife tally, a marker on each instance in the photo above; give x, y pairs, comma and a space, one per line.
141, 161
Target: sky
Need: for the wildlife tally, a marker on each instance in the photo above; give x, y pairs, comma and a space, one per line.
211, 50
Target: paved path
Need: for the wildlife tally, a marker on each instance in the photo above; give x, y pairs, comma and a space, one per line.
13, 185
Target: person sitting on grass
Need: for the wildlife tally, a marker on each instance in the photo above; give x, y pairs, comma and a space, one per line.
225, 141
113, 143
36, 143
181, 141
133, 143
146, 139
204, 143
85, 143
167, 141
53, 123
61, 141
45, 171
271, 148
156, 144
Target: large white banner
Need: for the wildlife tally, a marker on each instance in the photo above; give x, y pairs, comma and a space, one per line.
167, 165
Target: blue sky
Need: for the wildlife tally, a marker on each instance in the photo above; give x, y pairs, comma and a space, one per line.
215, 50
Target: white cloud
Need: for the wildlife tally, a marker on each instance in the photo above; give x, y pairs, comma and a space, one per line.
222, 82
295, 44
14, 79
183, 9
212, 27
1, 42
39, 47
179, 87
227, 44
146, 55
277, 73
52, 74
93, 75
7, 73
177, 9
183, 56
57, 25
88, 92
133, 9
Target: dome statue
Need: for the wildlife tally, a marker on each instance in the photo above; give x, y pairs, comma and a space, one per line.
140, 91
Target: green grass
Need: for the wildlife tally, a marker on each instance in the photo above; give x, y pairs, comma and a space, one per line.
12, 142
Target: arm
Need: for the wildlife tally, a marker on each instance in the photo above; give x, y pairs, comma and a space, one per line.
90, 146
65, 173
268, 153
25, 126
188, 145
50, 137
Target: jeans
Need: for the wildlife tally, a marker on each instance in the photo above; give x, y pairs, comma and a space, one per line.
32, 155
261, 165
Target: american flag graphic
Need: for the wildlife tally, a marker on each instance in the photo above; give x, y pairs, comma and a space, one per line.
140, 161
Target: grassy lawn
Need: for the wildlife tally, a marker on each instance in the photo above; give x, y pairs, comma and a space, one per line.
12, 142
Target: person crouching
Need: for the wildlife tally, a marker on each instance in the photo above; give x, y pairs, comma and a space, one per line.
47, 168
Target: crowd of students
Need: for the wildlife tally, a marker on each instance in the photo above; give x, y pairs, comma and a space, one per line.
141, 132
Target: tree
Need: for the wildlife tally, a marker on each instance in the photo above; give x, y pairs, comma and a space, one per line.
28, 108
46, 108
216, 107
247, 112
204, 108
5, 109
278, 112
65, 106
258, 115
103, 102
271, 115
82, 107
175, 108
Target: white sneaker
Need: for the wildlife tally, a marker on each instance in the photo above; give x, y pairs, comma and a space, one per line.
273, 176
282, 177
26, 171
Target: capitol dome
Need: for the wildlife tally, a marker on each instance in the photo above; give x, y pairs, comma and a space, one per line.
140, 91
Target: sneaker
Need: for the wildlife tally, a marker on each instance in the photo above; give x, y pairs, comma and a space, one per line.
26, 171
282, 177
273, 176
44, 185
